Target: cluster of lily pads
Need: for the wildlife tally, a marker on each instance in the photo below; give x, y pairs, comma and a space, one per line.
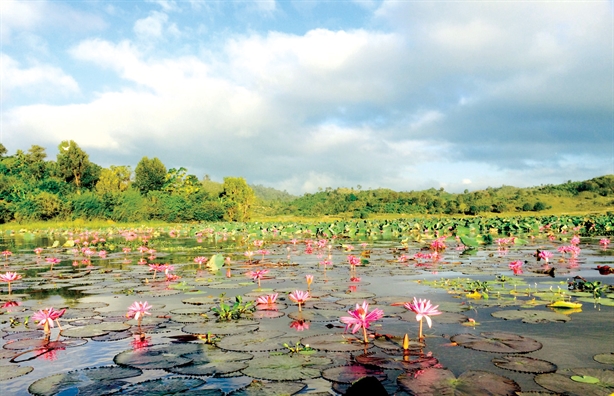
282, 311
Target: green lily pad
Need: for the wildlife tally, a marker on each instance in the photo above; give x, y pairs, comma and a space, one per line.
317, 315
497, 342
94, 330
157, 356
164, 386
531, 316
83, 381
605, 358
352, 373
406, 363
336, 342
562, 381
222, 328
10, 371
268, 340
434, 382
259, 388
524, 364
210, 360
286, 367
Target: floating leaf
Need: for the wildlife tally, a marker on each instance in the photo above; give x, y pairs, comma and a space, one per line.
94, 330
83, 381
157, 356
585, 379
497, 342
606, 358
352, 373
210, 360
435, 382
564, 304
524, 364
562, 381
164, 386
258, 388
216, 262
335, 343
10, 371
222, 328
286, 367
268, 340
530, 316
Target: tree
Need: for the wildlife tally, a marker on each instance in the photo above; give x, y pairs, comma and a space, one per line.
177, 181
150, 175
238, 199
114, 179
72, 163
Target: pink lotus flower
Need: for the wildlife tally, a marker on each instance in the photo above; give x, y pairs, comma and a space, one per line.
45, 318
269, 299
9, 277
575, 240
516, 266
7, 254
258, 243
309, 279
604, 242
299, 297
353, 260
361, 318
38, 251
138, 310
200, 260
299, 325
52, 261
545, 255
423, 310
257, 275
438, 244
157, 267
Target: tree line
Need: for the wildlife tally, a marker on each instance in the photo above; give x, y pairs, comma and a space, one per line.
35, 188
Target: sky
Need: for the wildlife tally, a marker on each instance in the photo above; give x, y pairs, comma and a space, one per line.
306, 94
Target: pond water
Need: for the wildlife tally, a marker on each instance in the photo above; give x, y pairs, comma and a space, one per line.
490, 315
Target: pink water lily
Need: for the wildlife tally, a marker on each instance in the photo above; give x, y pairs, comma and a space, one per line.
269, 299
45, 318
516, 266
604, 242
545, 255
257, 275
423, 310
9, 277
299, 297
309, 279
138, 310
361, 318
200, 260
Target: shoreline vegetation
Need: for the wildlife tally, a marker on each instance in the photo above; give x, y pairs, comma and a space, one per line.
72, 191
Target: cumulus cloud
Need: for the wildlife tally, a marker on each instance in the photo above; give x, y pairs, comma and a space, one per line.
36, 80
442, 94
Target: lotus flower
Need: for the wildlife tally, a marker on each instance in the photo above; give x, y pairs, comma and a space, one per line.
138, 310
299, 297
423, 310
9, 277
257, 275
361, 318
45, 318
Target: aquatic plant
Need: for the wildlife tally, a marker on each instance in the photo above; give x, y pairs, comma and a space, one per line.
299, 297
45, 318
9, 277
360, 317
423, 310
239, 309
138, 310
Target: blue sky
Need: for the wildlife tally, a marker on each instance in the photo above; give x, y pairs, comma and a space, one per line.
299, 95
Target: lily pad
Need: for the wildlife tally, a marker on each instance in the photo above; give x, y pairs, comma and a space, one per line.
352, 373
434, 382
336, 342
530, 316
525, 364
163, 386
497, 342
259, 388
222, 328
407, 363
83, 381
317, 315
10, 371
286, 367
94, 330
605, 358
157, 356
210, 360
563, 381
268, 340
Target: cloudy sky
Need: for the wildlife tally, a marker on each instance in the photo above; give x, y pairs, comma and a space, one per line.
301, 94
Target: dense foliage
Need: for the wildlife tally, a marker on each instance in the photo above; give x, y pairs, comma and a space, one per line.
34, 188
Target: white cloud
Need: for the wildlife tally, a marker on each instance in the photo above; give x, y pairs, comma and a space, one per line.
35, 79
152, 26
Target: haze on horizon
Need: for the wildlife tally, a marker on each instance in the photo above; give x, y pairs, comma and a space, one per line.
299, 95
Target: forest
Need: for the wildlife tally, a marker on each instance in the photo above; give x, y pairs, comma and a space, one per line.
36, 188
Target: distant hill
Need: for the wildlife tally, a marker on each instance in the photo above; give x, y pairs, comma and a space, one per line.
271, 194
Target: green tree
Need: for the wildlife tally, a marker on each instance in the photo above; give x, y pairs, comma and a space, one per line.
150, 175
113, 180
177, 181
238, 199
72, 163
